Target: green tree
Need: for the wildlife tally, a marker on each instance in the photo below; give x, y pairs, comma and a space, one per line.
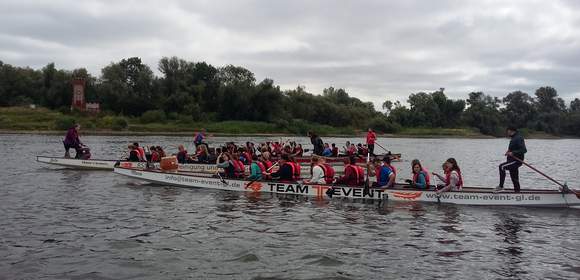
127, 87
483, 113
519, 109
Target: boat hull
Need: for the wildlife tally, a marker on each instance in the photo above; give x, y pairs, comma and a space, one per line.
97, 164
469, 196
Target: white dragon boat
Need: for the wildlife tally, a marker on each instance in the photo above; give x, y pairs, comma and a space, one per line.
468, 196
105, 164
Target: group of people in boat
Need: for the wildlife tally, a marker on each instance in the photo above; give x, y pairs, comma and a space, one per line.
233, 159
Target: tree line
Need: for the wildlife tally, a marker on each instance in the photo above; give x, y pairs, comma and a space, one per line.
199, 91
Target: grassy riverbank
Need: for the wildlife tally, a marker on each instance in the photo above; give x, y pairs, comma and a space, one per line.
42, 120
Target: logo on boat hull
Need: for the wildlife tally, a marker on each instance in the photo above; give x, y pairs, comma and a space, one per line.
407, 195
255, 186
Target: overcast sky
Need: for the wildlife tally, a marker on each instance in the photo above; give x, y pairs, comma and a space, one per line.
376, 50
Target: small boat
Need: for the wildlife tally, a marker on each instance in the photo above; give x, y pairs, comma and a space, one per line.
360, 159
108, 164
468, 196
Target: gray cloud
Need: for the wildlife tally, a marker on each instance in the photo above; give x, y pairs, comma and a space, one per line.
374, 49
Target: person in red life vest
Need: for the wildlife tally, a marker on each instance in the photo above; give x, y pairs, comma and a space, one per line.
225, 162
421, 178
385, 175
141, 151
352, 150
154, 154
334, 149
72, 140
239, 167
453, 180
298, 151
182, 156
264, 161
354, 175
160, 151
133, 154
371, 138
286, 171
297, 168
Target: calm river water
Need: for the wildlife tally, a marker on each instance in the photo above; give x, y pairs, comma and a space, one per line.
68, 224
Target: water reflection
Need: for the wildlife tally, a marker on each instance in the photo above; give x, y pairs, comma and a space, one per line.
510, 250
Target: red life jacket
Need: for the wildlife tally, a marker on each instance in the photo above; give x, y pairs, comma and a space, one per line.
238, 168
296, 170
261, 165
248, 157
359, 173
459, 182
425, 173
328, 172
154, 157
292, 167
141, 153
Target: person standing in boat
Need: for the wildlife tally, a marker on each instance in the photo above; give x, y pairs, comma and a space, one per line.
72, 140
371, 138
318, 145
199, 137
516, 150
453, 179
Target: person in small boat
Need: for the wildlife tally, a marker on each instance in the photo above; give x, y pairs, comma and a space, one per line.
182, 156
327, 150
202, 155
334, 150
385, 175
298, 151
318, 145
72, 140
141, 151
133, 154
154, 154
352, 150
257, 168
318, 176
453, 181
421, 179
354, 175
224, 162
516, 149
286, 171
199, 137
239, 167
371, 138
161, 152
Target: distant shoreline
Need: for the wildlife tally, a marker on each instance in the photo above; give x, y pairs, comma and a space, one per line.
191, 134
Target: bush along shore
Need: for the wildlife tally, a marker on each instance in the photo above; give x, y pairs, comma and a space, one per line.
42, 120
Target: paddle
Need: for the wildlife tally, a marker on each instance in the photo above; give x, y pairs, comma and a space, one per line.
388, 152
366, 190
267, 170
563, 186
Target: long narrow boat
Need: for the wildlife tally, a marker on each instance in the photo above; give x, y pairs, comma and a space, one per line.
106, 164
468, 196
340, 159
